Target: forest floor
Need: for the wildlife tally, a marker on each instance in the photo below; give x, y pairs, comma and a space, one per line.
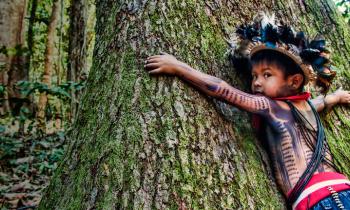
26, 164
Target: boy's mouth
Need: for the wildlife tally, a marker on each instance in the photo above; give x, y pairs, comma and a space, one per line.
258, 93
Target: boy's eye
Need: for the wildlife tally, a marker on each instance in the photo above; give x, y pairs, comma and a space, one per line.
266, 75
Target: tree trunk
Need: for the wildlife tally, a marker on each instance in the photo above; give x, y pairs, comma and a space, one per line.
48, 66
30, 35
78, 47
12, 29
142, 142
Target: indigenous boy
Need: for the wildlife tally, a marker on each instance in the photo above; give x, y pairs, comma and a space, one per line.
292, 125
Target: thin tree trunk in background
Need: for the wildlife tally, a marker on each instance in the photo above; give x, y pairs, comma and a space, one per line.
78, 46
142, 142
12, 30
58, 106
30, 45
48, 68
30, 35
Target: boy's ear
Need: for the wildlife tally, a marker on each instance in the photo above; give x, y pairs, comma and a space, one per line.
295, 81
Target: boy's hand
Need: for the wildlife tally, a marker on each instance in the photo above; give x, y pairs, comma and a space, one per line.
340, 96
162, 64
343, 96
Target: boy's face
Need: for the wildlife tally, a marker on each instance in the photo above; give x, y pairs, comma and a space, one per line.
269, 80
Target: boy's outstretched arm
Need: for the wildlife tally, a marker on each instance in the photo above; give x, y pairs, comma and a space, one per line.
328, 101
212, 86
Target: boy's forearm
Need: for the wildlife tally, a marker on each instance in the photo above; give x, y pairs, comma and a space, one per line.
218, 88
204, 82
212, 86
322, 102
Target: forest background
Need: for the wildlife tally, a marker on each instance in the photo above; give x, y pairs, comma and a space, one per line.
46, 51
45, 56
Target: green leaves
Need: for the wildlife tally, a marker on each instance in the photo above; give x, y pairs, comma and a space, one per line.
62, 91
18, 50
2, 89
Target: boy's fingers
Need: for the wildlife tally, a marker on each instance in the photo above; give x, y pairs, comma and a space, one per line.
151, 65
152, 60
155, 71
153, 56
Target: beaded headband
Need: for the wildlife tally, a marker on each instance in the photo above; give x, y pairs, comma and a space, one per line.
264, 34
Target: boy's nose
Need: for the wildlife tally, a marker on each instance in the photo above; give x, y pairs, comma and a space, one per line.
257, 83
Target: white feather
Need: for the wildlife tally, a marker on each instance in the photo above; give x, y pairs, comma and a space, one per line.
267, 18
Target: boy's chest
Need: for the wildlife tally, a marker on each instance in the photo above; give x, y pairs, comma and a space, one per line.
283, 126
282, 120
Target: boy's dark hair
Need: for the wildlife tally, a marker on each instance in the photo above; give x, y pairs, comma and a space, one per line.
283, 62
244, 65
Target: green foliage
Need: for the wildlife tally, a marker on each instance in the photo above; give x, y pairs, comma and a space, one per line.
44, 152
27, 163
2, 89
2, 129
18, 50
61, 91
23, 114
9, 146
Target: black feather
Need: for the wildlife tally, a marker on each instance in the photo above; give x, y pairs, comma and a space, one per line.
310, 55
269, 34
287, 34
319, 44
300, 40
247, 32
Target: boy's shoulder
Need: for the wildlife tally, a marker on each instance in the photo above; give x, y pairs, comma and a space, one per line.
281, 110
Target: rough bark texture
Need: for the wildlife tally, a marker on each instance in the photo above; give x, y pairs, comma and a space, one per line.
78, 47
141, 142
12, 14
48, 66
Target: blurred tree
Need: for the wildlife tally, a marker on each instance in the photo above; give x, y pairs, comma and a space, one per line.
49, 54
12, 54
30, 33
78, 47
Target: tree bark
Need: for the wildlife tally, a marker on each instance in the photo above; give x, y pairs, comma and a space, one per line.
30, 35
12, 29
78, 47
142, 142
48, 66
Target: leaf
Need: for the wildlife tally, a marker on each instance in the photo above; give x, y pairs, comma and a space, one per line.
2, 89
338, 4
4, 178
13, 196
23, 84
45, 144
22, 118
25, 110
61, 135
20, 161
14, 203
25, 185
59, 92
2, 129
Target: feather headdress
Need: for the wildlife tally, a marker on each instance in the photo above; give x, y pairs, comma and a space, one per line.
264, 33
